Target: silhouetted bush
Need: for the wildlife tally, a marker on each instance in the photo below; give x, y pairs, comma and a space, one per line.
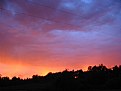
96, 77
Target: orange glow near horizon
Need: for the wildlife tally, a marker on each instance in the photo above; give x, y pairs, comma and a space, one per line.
61, 34
26, 71
20, 67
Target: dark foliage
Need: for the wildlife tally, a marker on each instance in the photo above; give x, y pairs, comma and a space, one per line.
96, 77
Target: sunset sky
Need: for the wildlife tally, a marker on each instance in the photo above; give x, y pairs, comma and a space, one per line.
41, 36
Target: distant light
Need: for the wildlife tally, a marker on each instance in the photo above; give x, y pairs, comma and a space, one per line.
75, 77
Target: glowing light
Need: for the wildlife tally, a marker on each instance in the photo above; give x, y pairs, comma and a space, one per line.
75, 77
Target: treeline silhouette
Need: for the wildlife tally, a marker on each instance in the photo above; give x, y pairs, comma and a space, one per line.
96, 77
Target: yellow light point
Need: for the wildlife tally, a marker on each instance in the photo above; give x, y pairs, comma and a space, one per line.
42, 71
85, 68
75, 77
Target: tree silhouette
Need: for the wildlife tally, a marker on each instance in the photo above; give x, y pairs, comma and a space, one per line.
96, 77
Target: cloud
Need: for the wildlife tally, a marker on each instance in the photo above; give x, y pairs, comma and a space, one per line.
60, 30
65, 14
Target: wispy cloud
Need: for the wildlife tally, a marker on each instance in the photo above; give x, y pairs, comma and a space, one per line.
78, 31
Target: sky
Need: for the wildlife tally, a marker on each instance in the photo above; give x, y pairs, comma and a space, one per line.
41, 36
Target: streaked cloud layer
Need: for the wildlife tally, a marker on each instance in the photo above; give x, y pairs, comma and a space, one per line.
51, 35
